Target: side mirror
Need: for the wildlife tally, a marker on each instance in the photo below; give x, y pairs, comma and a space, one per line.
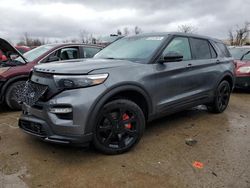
53, 58
171, 57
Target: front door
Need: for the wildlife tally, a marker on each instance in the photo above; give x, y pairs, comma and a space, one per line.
176, 84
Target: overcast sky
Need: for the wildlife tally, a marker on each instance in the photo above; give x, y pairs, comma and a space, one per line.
63, 19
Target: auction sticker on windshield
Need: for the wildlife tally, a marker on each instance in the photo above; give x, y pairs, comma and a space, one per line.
154, 38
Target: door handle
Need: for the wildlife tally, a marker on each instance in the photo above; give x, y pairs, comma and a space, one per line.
189, 65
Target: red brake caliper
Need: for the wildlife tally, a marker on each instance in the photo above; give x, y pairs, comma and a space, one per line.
124, 118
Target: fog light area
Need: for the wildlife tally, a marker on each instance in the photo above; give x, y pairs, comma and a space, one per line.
58, 110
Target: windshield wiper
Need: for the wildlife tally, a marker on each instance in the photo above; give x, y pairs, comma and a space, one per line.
12, 63
108, 58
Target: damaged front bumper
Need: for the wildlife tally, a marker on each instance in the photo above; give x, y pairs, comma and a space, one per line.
31, 122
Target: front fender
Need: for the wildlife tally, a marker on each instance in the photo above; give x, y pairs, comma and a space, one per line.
101, 100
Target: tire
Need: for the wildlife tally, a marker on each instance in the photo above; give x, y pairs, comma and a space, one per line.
119, 127
10, 95
221, 99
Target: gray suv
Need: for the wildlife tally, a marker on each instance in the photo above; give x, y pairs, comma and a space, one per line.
108, 99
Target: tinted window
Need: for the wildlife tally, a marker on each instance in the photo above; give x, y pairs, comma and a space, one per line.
63, 54
213, 53
179, 45
200, 48
90, 52
69, 53
223, 49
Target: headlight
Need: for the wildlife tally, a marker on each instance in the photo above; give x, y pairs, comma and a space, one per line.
244, 70
3, 69
78, 81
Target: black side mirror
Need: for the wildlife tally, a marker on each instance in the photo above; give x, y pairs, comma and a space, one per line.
171, 57
53, 58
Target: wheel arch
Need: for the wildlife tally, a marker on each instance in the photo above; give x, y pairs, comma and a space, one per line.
121, 91
228, 77
11, 81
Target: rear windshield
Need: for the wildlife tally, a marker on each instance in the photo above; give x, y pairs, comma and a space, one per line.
238, 53
223, 49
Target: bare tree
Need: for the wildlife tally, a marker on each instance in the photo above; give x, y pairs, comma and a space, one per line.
21, 43
26, 40
239, 35
119, 32
83, 34
137, 30
231, 37
125, 31
86, 37
187, 28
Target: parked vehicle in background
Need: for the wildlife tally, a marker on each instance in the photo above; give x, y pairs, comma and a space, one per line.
2, 56
108, 99
15, 70
107, 40
242, 68
21, 49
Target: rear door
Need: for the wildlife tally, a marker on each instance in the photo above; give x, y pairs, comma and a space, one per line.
205, 66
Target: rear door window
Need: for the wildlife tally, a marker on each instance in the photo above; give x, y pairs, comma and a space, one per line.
200, 48
213, 53
179, 45
69, 53
66, 53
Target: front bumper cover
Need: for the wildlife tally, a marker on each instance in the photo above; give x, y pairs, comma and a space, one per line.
39, 121
40, 129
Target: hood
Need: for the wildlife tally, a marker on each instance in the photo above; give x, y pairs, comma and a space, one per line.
81, 66
8, 49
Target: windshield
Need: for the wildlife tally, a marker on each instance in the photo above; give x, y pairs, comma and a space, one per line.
237, 53
35, 53
134, 48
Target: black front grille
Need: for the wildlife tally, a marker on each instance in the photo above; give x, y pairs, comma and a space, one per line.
32, 127
30, 93
1, 83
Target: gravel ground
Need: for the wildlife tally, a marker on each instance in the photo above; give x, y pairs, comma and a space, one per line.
165, 157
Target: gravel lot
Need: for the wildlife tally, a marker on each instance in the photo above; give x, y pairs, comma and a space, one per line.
161, 159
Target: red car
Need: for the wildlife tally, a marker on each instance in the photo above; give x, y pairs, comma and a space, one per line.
15, 70
21, 49
242, 61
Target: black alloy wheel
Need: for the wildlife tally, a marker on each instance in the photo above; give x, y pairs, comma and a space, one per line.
11, 97
221, 99
119, 127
